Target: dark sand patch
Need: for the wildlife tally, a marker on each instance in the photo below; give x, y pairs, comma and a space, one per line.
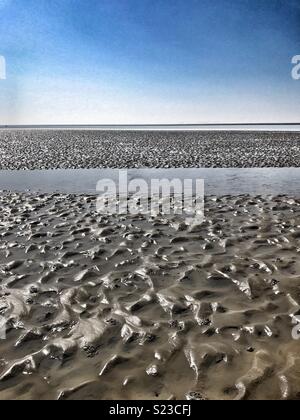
74, 149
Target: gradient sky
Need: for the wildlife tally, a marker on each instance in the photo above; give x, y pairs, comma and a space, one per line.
149, 61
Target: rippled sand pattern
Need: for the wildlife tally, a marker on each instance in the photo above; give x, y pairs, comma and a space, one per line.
136, 307
74, 149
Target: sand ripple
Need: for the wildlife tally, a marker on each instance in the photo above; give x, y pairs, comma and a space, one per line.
74, 149
133, 307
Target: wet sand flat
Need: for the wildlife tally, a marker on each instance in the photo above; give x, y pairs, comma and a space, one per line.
75, 149
140, 307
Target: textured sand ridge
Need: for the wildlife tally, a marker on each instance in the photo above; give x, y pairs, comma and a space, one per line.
71, 149
139, 307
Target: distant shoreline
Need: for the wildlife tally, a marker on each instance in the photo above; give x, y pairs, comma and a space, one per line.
150, 125
284, 127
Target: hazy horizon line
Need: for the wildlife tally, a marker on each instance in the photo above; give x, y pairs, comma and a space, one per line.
155, 125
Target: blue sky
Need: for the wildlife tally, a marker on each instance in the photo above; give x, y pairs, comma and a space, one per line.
149, 61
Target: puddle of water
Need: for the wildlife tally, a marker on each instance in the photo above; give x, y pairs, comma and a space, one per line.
257, 181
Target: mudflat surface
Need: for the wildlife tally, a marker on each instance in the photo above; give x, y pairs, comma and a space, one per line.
137, 307
74, 149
